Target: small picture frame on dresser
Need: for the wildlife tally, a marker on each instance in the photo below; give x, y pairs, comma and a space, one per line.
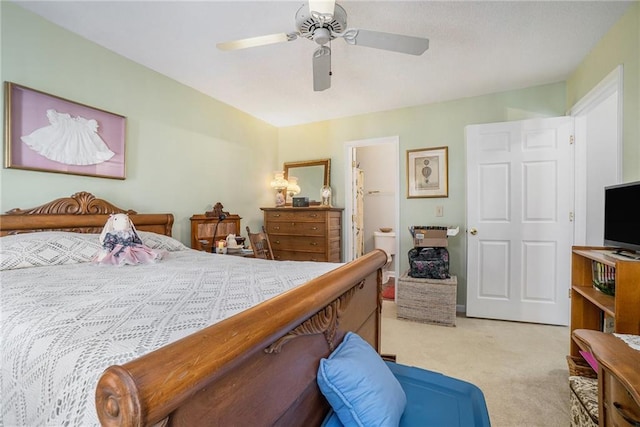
300, 202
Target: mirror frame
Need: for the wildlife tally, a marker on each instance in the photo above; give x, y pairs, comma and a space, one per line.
321, 162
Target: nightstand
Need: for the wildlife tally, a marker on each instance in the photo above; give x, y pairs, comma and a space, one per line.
202, 229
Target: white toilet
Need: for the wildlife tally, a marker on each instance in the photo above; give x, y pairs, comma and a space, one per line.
386, 242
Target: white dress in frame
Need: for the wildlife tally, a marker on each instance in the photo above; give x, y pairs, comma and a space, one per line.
69, 140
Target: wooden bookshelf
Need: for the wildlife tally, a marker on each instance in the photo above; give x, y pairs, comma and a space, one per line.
589, 305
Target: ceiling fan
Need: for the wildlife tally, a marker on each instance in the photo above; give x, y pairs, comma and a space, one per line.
323, 21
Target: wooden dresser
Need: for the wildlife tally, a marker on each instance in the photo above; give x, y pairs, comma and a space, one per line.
305, 234
618, 377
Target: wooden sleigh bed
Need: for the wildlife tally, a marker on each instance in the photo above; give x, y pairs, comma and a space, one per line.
257, 367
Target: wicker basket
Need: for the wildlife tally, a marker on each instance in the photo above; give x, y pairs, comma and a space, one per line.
427, 300
580, 368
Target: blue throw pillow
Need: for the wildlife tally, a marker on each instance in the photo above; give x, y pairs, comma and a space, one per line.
359, 386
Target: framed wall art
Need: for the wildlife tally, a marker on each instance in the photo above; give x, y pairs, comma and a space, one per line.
427, 172
46, 133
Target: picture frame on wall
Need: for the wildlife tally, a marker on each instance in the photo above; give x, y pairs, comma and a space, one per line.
427, 172
47, 133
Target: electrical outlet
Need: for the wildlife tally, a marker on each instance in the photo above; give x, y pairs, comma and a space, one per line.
439, 210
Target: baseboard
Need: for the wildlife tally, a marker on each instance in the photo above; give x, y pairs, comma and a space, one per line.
461, 308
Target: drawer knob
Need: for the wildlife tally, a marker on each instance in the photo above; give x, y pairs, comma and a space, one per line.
276, 215
293, 224
276, 228
314, 215
314, 243
625, 414
277, 242
314, 228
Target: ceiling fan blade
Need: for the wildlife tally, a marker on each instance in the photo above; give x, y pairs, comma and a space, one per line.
257, 41
387, 41
322, 7
322, 69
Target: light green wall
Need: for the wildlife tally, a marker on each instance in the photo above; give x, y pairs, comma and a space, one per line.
184, 150
425, 126
621, 45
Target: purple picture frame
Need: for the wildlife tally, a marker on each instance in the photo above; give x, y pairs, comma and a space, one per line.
69, 137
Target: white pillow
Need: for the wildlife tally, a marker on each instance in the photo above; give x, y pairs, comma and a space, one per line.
160, 241
47, 248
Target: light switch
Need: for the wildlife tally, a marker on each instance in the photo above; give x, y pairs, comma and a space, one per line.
439, 210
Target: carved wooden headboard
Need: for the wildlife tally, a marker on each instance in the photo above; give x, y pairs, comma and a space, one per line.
80, 213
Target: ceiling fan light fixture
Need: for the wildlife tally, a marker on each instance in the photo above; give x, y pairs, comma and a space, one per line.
322, 36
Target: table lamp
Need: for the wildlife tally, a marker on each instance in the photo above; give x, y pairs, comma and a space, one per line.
279, 184
292, 188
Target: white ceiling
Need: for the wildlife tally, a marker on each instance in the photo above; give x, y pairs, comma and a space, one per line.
476, 47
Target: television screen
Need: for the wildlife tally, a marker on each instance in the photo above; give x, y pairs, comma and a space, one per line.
622, 216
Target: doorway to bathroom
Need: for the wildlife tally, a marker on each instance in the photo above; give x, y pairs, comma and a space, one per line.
372, 203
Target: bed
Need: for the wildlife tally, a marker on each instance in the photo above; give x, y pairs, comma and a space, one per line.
184, 357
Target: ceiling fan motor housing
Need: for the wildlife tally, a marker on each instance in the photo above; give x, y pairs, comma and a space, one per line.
308, 26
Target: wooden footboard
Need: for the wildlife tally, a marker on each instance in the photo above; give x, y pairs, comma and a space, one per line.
255, 368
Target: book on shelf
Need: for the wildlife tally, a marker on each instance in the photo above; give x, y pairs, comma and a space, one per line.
603, 277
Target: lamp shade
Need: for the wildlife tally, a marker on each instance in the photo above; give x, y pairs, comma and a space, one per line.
293, 188
278, 182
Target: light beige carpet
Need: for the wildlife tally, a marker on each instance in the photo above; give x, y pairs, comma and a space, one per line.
520, 367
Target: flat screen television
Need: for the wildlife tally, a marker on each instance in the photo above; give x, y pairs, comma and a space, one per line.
622, 217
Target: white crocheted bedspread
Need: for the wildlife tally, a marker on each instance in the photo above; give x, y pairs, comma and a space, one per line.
63, 325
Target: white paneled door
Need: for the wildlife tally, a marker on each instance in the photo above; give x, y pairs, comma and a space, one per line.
520, 220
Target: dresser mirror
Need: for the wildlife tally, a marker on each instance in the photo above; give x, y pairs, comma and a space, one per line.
311, 174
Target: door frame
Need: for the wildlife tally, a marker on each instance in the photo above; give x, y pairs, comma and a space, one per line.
347, 237
612, 83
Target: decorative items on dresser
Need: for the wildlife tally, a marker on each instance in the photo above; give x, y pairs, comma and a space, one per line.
279, 183
212, 226
305, 234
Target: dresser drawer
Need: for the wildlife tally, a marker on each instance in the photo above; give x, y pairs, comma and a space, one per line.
299, 256
628, 409
302, 243
297, 228
293, 215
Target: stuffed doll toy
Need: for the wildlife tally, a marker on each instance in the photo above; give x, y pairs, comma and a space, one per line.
121, 244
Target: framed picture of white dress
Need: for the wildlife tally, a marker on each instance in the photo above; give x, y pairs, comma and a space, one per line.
427, 172
47, 133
